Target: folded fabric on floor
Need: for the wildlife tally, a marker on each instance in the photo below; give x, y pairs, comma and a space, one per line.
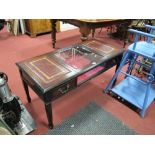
92, 120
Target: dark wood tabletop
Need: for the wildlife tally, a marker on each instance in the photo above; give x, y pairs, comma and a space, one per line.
88, 25
53, 74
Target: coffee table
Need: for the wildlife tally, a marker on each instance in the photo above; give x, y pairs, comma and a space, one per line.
54, 74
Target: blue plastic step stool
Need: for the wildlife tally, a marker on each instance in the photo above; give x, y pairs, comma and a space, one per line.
138, 92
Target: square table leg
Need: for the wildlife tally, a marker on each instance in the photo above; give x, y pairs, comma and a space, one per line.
48, 108
25, 88
118, 61
53, 33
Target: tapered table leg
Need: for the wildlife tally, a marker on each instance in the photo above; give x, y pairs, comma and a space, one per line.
25, 88
118, 61
53, 33
48, 108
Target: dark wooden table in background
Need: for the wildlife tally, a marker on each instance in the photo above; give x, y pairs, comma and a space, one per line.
86, 25
56, 73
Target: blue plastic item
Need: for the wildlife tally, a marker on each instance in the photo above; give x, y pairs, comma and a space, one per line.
138, 92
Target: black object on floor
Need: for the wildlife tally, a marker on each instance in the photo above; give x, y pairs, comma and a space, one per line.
92, 120
2, 23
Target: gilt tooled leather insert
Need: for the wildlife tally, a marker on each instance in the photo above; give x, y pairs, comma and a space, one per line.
100, 47
46, 69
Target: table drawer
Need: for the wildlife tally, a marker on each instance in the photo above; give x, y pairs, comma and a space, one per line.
63, 89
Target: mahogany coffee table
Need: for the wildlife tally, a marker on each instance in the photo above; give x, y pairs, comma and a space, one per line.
54, 74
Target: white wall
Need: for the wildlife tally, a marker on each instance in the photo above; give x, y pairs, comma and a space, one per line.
65, 27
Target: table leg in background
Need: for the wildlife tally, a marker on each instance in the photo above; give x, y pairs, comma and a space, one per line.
125, 35
93, 32
85, 31
53, 33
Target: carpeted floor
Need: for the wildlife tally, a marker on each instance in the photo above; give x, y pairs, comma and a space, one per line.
14, 49
91, 120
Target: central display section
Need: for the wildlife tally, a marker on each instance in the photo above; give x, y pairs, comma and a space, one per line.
78, 57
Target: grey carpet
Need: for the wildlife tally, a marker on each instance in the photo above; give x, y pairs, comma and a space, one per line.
92, 120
